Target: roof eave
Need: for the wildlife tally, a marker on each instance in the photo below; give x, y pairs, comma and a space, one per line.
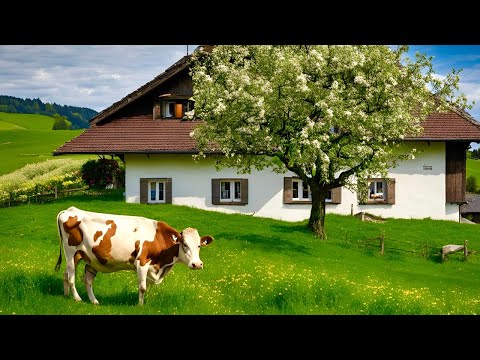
57, 153
444, 139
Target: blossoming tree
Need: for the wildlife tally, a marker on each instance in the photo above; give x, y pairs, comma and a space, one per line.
330, 114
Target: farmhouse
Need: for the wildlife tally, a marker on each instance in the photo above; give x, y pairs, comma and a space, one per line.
148, 130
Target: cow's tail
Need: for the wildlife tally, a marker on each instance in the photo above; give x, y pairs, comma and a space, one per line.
59, 261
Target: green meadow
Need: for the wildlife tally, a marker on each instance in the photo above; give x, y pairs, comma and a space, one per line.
473, 168
255, 266
28, 138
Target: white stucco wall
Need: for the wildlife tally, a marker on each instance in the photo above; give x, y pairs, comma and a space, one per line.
418, 193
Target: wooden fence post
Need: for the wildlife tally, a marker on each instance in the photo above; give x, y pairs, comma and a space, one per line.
465, 250
382, 244
56, 193
351, 209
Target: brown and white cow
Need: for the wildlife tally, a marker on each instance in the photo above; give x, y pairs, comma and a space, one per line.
109, 243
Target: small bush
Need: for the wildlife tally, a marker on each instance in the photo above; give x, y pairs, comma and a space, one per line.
103, 173
471, 184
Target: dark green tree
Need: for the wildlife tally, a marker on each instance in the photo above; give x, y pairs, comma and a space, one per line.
471, 184
61, 123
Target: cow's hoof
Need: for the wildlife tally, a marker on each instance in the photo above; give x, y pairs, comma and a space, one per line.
95, 302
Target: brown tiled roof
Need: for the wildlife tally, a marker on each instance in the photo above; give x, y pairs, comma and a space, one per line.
142, 134
139, 134
455, 125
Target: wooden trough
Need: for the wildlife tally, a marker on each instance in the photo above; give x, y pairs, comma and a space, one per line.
448, 249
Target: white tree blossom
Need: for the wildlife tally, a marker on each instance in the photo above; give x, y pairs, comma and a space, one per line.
330, 114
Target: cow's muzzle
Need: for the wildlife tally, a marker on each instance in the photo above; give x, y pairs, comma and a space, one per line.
196, 265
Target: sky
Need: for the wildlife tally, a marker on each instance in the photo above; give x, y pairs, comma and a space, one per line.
96, 76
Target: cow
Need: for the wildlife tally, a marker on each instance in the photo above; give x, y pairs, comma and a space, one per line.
109, 243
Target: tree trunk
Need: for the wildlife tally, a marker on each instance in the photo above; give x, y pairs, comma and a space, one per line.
317, 213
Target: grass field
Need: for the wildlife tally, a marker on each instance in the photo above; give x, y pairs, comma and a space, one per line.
28, 138
473, 168
254, 266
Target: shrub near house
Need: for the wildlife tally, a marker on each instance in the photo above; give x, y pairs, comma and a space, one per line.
103, 173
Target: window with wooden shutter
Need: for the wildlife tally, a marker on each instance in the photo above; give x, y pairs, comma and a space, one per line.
377, 191
229, 191
296, 192
155, 190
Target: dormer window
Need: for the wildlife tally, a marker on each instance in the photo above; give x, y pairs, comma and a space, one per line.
172, 106
177, 108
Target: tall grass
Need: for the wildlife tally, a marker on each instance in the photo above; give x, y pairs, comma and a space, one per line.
38, 178
254, 266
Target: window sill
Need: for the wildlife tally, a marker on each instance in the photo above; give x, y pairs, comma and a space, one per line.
229, 203
308, 202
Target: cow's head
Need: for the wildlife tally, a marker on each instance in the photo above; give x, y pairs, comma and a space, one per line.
189, 250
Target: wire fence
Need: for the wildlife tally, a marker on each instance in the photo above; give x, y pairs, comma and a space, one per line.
43, 197
424, 249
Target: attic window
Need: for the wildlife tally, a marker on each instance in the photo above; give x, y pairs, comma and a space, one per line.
170, 106
177, 108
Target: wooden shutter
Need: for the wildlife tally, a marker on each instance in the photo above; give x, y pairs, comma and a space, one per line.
157, 111
287, 190
390, 191
455, 172
336, 195
168, 190
244, 191
215, 191
143, 190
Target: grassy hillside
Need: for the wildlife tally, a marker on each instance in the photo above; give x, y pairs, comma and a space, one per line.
28, 138
254, 266
473, 168
27, 121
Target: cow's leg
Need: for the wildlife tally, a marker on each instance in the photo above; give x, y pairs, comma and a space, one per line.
89, 277
70, 275
142, 281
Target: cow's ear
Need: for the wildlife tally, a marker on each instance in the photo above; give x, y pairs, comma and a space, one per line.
205, 240
177, 237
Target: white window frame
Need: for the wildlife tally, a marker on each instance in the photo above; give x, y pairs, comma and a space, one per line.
375, 193
167, 109
157, 192
231, 197
187, 106
300, 191
329, 199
